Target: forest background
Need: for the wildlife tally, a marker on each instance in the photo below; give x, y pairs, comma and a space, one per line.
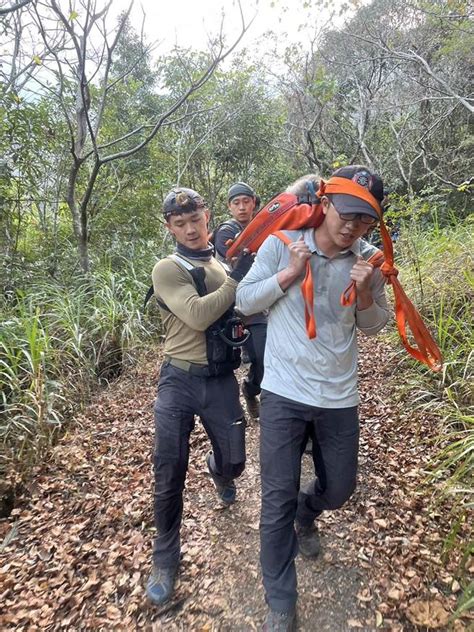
97, 125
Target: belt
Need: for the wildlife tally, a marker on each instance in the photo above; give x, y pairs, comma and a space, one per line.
189, 367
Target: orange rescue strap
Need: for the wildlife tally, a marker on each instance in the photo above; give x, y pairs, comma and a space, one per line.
285, 212
426, 349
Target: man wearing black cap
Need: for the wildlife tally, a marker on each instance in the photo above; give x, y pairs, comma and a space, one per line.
242, 202
195, 295
310, 383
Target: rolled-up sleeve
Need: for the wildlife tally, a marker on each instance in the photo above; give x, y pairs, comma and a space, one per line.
259, 289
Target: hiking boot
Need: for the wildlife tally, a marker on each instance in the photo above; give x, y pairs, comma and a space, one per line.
279, 621
308, 540
226, 492
160, 584
253, 406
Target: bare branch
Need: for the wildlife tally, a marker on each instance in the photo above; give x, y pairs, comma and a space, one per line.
145, 126
15, 7
194, 87
229, 116
414, 57
110, 50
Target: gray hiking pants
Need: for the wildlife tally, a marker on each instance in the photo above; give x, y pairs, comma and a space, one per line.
284, 429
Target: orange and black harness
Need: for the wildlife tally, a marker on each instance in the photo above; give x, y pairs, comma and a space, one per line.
287, 211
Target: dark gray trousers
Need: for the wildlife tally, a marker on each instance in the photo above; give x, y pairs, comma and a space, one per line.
255, 348
284, 429
181, 396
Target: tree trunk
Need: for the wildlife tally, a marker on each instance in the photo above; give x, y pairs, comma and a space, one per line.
79, 218
83, 248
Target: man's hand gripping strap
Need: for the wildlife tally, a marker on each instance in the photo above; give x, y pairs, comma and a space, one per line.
307, 291
425, 349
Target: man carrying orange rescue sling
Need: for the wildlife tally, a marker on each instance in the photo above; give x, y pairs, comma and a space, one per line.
310, 381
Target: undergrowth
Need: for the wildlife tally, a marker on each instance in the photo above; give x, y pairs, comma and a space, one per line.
59, 341
437, 271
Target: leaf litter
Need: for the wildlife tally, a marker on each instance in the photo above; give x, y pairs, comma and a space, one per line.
77, 548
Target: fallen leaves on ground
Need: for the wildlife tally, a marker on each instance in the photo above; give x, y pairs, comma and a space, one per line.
430, 614
77, 548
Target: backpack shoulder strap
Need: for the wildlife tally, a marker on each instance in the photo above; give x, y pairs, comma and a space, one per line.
232, 223
229, 222
283, 237
184, 263
286, 239
197, 274
234, 229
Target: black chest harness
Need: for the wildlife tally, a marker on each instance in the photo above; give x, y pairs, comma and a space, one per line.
224, 337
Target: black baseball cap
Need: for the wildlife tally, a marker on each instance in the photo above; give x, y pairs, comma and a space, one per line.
182, 200
240, 188
365, 178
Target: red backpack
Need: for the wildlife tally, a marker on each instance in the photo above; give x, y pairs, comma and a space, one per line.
287, 211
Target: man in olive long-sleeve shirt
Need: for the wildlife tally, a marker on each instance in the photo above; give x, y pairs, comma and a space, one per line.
310, 384
190, 314
193, 292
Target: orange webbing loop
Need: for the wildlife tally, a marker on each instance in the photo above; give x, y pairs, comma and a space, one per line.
426, 350
307, 290
349, 296
406, 314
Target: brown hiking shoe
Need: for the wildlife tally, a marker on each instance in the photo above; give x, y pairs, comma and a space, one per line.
309, 543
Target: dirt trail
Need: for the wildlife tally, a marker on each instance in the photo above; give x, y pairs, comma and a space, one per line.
76, 551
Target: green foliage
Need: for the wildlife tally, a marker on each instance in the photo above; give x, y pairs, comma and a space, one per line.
348, 94
28, 393
466, 603
31, 182
437, 268
58, 341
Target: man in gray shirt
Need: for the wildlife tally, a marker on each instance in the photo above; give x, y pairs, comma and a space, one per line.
310, 384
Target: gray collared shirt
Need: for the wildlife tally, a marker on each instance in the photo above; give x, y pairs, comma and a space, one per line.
320, 372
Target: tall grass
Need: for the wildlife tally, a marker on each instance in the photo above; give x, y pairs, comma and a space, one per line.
58, 341
29, 393
437, 268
